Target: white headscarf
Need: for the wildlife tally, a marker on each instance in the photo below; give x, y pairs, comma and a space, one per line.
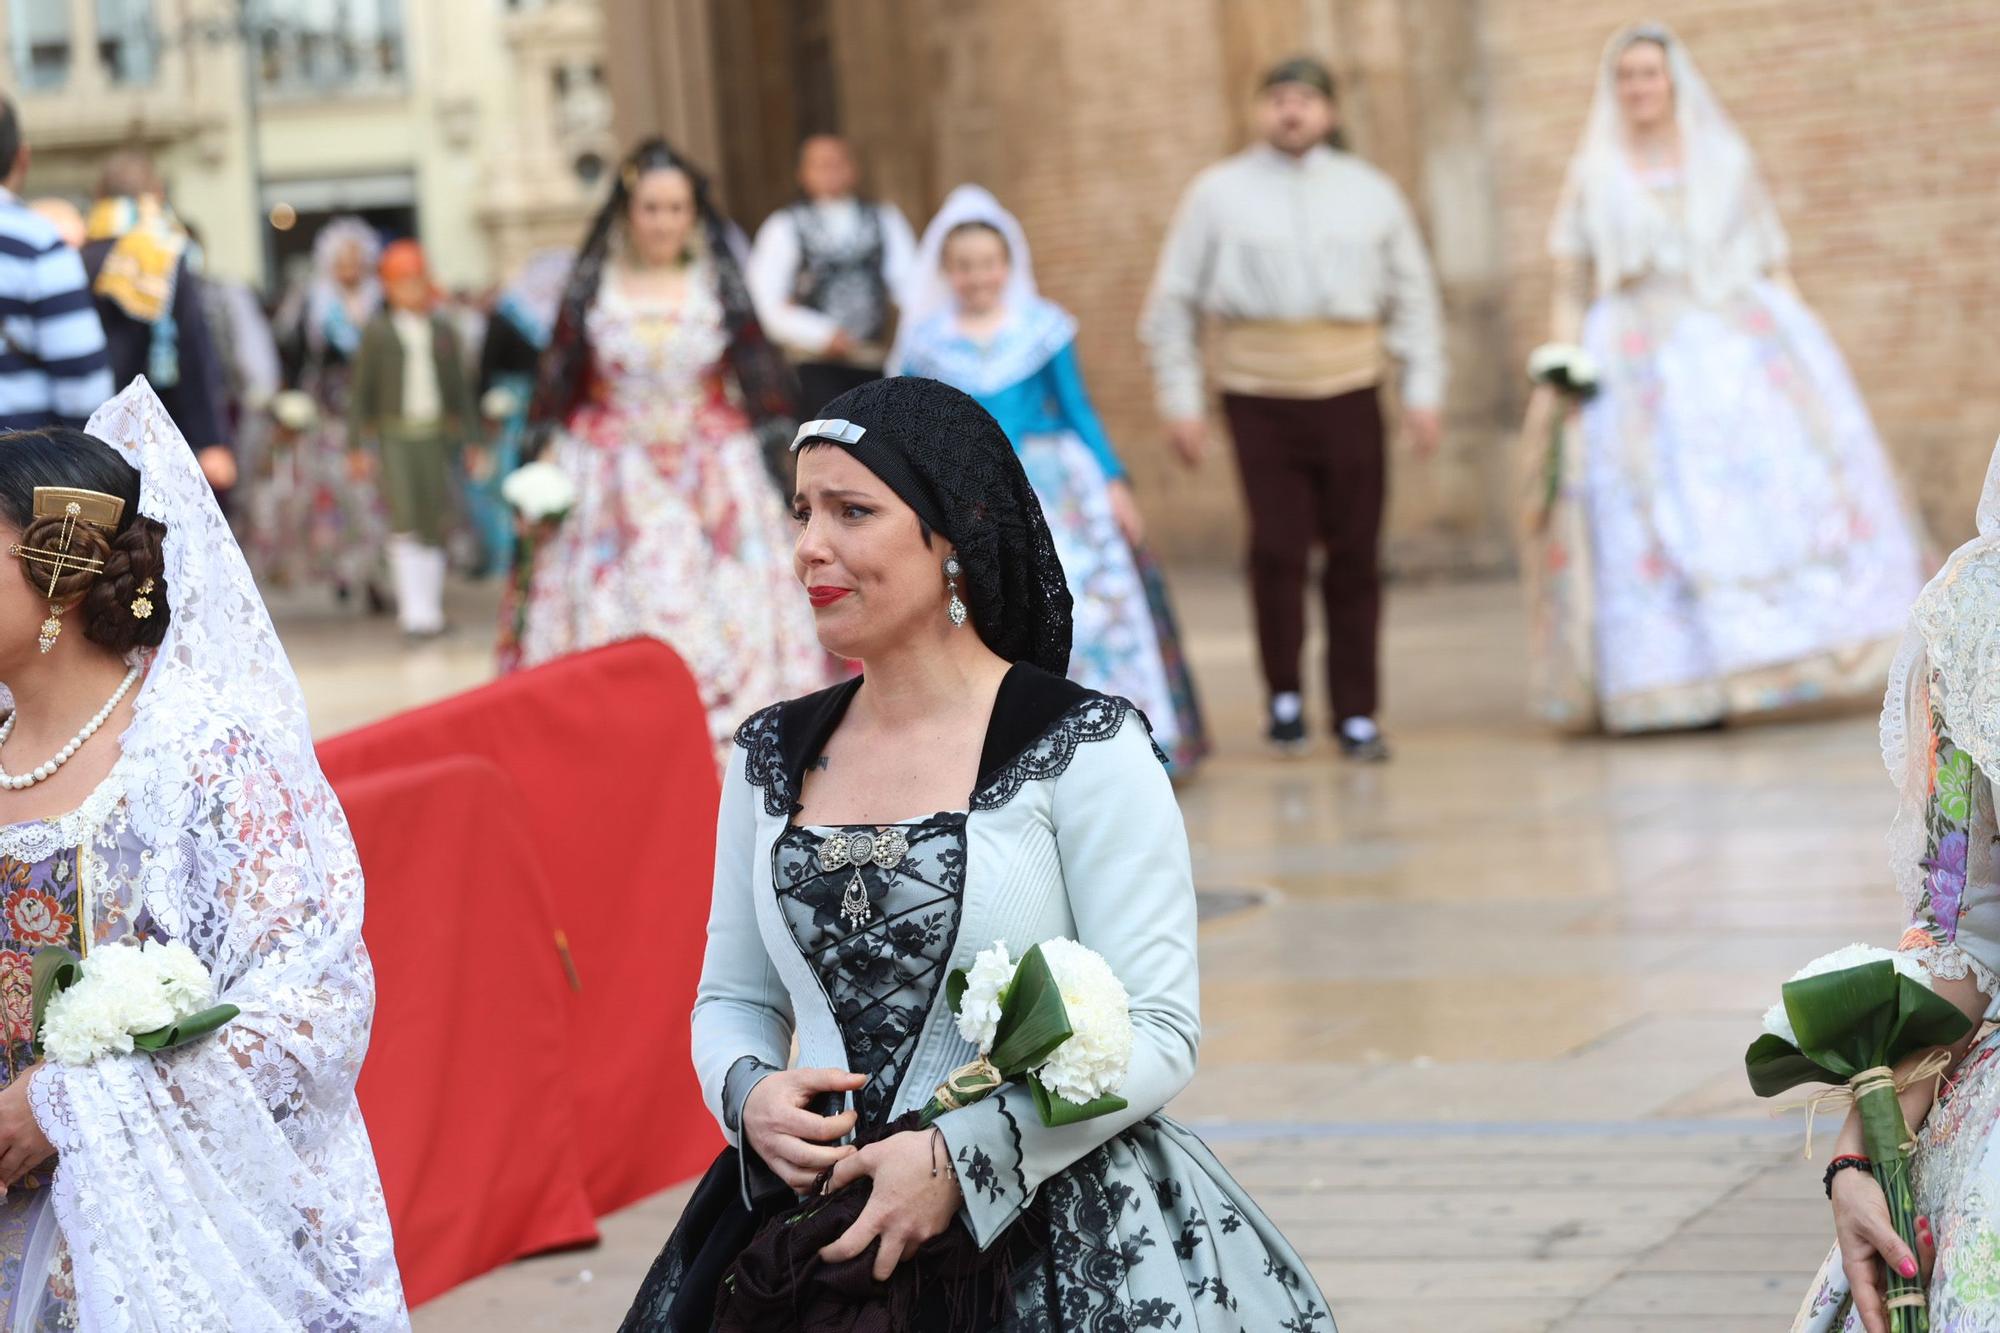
927, 293
323, 292
230, 1184
1609, 217
1954, 634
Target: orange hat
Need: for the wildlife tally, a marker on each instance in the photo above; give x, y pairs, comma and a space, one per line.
404, 259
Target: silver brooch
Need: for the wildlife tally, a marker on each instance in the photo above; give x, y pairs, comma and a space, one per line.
883, 847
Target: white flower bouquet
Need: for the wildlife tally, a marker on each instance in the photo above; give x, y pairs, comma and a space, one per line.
295, 410
1059, 1020
149, 996
1571, 372
499, 402
540, 492
1848, 1019
1565, 366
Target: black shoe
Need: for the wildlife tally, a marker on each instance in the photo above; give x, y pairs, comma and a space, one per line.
1288, 737
378, 602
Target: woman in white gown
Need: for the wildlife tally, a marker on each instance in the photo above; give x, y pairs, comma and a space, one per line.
1718, 533
1941, 741
229, 1183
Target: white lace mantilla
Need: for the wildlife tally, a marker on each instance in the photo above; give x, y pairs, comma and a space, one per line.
229, 1184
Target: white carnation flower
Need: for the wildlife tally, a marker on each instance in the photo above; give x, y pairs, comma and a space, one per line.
83, 1023
979, 1011
1093, 1062
539, 490
499, 402
125, 989
294, 409
1779, 1024
1562, 363
189, 988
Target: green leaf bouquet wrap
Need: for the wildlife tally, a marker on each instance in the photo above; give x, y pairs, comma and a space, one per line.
1848, 1019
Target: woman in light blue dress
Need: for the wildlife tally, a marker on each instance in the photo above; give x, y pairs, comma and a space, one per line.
974, 319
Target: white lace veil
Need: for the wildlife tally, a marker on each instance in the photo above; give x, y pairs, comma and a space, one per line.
1609, 217
927, 292
229, 1184
1954, 641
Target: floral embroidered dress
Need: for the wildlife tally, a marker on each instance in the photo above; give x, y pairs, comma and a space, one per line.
1956, 931
842, 936
677, 533
1747, 547
311, 517
65, 881
1721, 533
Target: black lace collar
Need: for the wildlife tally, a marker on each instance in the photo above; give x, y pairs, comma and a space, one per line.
1038, 721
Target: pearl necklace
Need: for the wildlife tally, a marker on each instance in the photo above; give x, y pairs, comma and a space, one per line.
48, 770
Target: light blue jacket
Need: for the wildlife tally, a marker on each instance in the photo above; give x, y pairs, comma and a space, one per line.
1073, 832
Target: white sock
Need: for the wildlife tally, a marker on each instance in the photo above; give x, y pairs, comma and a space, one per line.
1287, 707
1360, 730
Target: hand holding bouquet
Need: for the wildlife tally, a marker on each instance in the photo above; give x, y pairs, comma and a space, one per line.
1572, 373
1848, 1019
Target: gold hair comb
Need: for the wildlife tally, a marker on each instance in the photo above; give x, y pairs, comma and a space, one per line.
73, 507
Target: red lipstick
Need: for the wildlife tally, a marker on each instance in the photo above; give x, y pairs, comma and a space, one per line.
826, 594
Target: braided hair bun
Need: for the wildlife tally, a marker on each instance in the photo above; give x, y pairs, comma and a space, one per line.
105, 604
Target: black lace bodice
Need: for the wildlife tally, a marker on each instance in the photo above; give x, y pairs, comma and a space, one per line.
875, 910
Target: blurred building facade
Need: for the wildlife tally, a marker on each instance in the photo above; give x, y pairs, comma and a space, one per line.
480, 126
1873, 121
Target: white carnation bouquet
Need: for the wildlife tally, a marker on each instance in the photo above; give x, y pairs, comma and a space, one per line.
149, 996
295, 410
1059, 1020
1571, 372
540, 492
1565, 366
499, 402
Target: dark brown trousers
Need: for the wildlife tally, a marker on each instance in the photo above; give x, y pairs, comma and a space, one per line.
1314, 473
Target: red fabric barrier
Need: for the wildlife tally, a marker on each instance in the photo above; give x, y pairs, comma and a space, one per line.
463, 1092
611, 754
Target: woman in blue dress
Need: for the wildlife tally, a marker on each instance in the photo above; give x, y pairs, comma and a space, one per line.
509, 356
974, 319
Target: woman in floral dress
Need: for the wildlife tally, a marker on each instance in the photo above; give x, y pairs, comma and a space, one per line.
655, 393
228, 1184
315, 516
1718, 533
1941, 740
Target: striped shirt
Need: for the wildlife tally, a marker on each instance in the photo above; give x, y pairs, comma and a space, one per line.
54, 368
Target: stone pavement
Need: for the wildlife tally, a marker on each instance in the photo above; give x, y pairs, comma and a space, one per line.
1476, 1043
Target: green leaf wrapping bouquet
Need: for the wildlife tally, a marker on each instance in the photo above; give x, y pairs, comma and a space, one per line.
1059, 1021
1848, 1019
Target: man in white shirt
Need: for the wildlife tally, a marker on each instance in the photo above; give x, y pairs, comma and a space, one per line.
1308, 265
825, 272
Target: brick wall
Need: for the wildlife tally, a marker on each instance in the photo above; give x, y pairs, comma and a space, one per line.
1874, 120
1879, 131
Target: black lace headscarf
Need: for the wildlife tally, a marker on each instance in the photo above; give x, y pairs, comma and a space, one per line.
770, 393
948, 459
